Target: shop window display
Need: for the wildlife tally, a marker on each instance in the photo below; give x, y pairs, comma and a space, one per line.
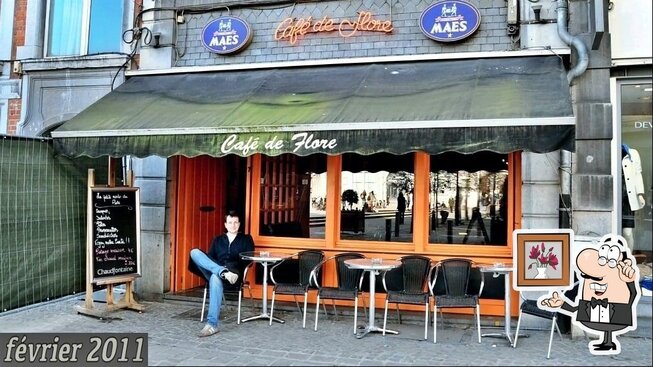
376, 196
635, 167
468, 198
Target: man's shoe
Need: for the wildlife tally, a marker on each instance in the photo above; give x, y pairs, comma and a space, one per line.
604, 346
231, 277
208, 330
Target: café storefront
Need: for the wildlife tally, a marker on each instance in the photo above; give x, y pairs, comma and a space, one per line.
282, 145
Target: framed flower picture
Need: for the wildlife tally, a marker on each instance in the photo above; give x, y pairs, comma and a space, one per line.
542, 258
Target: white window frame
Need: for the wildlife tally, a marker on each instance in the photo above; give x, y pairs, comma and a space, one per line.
86, 19
615, 97
4, 122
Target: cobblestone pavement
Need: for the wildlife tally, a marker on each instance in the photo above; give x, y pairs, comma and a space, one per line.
172, 328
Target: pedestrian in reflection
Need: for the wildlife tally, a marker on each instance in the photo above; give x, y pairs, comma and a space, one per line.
401, 206
223, 262
371, 199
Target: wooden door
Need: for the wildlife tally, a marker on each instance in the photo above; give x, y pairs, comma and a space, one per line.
198, 212
285, 194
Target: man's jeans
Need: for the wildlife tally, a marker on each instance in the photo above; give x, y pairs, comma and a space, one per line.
211, 271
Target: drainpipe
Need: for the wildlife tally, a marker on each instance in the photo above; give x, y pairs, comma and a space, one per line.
564, 205
575, 42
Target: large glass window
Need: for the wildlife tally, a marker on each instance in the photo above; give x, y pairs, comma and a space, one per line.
468, 198
80, 27
636, 220
377, 197
293, 196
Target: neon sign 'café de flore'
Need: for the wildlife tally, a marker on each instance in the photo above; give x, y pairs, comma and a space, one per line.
282, 143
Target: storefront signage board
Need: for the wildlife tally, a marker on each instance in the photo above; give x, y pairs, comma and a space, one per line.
112, 243
450, 20
302, 141
291, 29
226, 35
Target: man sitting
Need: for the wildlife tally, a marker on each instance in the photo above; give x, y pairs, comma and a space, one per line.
223, 262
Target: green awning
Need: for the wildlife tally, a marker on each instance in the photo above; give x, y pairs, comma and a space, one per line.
496, 104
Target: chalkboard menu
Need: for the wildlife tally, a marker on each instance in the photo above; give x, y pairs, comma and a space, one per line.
115, 240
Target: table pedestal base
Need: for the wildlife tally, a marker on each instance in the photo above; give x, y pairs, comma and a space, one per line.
500, 335
263, 316
373, 329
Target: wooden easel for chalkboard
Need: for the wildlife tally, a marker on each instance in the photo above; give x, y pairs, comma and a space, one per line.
127, 253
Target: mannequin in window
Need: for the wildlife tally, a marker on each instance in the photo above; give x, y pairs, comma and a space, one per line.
632, 190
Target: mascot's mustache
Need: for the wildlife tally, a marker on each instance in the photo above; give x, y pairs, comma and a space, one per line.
590, 277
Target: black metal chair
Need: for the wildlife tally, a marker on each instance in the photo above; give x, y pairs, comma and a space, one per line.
529, 307
456, 274
415, 273
347, 287
307, 260
227, 287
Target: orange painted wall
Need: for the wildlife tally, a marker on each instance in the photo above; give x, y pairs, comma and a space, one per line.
194, 230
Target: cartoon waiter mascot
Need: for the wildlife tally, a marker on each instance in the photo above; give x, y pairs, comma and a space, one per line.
607, 300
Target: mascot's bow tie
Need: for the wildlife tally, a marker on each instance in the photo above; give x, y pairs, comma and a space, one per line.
595, 302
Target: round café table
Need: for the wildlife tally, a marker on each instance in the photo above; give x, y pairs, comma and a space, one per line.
264, 258
501, 269
373, 268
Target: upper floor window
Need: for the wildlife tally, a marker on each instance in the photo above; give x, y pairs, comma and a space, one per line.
83, 27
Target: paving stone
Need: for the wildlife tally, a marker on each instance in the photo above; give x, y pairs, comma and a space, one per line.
172, 328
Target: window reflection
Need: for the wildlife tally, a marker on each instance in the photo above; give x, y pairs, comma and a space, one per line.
468, 198
293, 196
636, 127
370, 187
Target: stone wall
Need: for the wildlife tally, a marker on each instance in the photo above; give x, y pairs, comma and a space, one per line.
406, 38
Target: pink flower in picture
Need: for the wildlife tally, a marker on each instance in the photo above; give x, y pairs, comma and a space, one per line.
553, 260
542, 257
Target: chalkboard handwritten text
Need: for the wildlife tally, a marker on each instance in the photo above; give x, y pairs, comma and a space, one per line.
114, 232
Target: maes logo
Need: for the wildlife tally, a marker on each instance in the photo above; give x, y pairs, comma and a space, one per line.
449, 21
226, 35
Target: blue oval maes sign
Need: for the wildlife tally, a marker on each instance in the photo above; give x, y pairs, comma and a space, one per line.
226, 35
450, 20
